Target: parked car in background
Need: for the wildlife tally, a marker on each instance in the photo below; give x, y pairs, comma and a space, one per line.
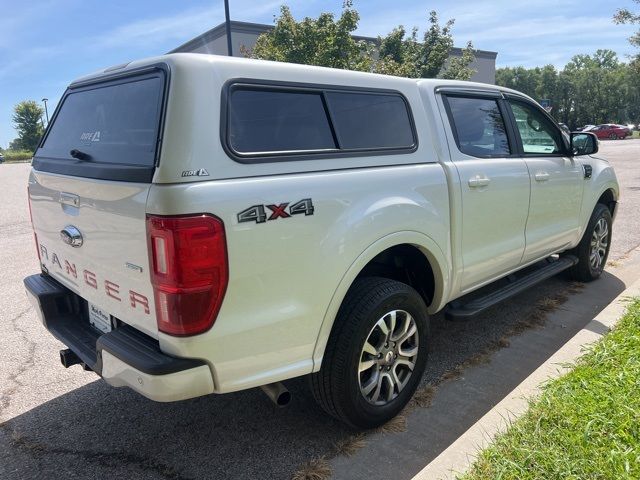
611, 131
1, 157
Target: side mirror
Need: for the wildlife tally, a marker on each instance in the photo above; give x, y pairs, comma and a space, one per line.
584, 143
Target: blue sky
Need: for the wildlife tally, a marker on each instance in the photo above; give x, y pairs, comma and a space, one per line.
44, 44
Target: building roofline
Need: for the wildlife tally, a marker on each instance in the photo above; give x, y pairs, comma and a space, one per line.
219, 31
258, 28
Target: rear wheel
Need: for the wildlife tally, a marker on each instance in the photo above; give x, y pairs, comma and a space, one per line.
593, 249
613, 136
376, 353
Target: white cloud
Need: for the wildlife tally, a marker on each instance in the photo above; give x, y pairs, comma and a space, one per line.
27, 60
15, 20
527, 33
179, 27
161, 29
552, 29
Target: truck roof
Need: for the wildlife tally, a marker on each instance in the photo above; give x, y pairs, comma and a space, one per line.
249, 68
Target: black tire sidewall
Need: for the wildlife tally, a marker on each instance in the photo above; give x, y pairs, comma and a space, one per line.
356, 407
587, 272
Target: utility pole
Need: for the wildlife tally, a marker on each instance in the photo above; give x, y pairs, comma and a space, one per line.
45, 100
227, 23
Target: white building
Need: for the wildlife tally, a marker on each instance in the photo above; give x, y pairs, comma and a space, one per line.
244, 34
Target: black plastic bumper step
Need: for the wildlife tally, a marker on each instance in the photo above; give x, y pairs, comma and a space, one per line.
460, 310
65, 316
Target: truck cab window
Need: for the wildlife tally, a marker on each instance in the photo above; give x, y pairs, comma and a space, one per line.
539, 136
478, 126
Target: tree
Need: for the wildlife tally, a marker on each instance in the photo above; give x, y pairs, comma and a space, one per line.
598, 87
458, 68
324, 41
27, 120
405, 56
633, 78
590, 89
624, 15
518, 78
328, 42
15, 144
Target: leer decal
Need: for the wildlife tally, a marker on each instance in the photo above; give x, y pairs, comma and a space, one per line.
200, 172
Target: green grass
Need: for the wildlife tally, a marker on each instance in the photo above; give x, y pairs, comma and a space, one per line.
585, 425
11, 156
636, 134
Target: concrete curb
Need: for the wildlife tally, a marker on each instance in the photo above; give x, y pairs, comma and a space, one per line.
460, 455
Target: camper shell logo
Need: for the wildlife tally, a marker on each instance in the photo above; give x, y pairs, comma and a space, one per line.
201, 172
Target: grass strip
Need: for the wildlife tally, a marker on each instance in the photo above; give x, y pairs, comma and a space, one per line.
584, 425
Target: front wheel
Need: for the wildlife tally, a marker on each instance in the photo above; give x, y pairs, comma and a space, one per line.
613, 136
593, 249
376, 353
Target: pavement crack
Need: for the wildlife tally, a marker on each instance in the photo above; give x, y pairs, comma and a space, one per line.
110, 459
13, 381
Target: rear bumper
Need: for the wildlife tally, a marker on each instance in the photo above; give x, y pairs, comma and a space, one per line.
124, 356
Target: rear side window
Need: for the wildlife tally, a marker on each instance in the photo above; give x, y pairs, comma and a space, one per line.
268, 121
265, 121
364, 120
113, 124
478, 126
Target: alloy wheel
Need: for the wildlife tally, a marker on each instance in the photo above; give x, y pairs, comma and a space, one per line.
388, 357
599, 244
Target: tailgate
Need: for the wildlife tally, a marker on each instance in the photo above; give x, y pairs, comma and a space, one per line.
91, 236
88, 190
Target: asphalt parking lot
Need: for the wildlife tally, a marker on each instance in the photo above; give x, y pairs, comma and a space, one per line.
57, 422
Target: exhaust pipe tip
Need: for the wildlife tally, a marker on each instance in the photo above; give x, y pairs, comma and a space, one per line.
284, 399
277, 393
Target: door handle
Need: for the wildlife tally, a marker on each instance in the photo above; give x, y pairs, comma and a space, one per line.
69, 199
479, 181
541, 176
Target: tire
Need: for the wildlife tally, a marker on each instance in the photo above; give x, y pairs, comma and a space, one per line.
586, 270
339, 388
613, 136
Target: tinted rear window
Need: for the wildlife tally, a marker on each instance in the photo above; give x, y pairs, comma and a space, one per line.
369, 121
112, 124
276, 121
479, 126
266, 121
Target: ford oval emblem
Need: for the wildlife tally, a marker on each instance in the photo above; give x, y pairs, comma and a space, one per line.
71, 236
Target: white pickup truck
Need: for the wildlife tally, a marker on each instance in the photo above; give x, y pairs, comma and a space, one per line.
209, 224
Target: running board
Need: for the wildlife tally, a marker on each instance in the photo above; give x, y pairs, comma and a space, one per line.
458, 310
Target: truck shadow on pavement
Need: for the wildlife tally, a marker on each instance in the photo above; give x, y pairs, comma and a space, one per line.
97, 430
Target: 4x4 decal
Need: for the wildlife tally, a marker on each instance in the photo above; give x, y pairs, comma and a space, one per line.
258, 213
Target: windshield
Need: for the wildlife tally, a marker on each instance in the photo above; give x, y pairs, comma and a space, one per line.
113, 123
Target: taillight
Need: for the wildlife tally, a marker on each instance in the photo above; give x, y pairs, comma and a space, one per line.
189, 271
35, 235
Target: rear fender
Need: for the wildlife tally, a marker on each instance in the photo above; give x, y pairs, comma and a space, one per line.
441, 271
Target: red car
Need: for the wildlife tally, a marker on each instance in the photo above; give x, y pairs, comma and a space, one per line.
611, 131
